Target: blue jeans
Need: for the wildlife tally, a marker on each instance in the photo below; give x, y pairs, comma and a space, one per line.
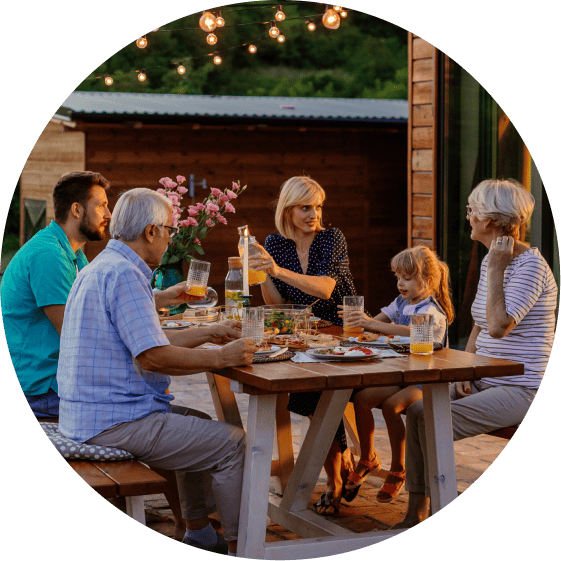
45, 404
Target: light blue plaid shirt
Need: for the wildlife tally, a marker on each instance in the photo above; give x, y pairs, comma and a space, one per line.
110, 318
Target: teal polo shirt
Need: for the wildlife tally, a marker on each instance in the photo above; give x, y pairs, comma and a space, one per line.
40, 274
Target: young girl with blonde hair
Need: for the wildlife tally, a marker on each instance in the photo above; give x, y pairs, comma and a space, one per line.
423, 283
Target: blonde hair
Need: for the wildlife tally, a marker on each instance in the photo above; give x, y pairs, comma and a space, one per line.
299, 190
504, 201
423, 264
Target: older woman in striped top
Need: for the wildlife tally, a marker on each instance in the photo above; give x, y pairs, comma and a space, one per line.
514, 319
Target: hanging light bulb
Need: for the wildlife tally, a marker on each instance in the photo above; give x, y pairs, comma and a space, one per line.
337, 8
311, 26
141, 76
220, 20
108, 81
281, 38
331, 19
142, 43
343, 13
280, 15
252, 49
207, 22
181, 69
217, 60
211, 39
274, 32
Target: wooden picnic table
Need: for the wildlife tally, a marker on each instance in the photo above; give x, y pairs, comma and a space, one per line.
264, 382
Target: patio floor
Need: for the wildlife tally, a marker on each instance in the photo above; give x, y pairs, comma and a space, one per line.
473, 456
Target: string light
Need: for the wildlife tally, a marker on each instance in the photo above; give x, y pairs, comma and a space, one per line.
181, 69
217, 59
211, 39
207, 22
280, 15
252, 49
142, 43
337, 8
220, 20
281, 38
331, 19
108, 81
343, 13
311, 26
274, 32
141, 76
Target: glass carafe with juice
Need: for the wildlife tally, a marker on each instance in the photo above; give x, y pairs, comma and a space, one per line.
233, 284
253, 277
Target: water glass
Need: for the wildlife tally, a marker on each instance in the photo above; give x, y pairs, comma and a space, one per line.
197, 279
303, 322
352, 304
253, 323
422, 326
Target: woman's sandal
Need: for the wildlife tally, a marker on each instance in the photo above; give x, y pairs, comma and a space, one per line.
325, 500
354, 481
390, 491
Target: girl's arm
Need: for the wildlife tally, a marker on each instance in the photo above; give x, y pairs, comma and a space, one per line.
380, 324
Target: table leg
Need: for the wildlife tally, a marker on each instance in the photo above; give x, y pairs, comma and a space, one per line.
440, 445
257, 471
283, 459
224, 400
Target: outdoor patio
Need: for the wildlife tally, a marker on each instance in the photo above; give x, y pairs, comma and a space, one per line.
473, 456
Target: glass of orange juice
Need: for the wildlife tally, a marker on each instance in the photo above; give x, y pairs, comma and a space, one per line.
352, 304
421, 334
197, 278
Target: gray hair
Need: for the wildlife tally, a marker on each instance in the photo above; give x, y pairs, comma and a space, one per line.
134, 210
504, 201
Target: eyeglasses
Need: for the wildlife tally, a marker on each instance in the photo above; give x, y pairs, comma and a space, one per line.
469, 210
172, 230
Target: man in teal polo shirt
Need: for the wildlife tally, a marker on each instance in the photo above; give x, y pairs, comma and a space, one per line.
38, 279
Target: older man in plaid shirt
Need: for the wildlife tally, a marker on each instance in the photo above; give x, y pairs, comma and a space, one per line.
114, 368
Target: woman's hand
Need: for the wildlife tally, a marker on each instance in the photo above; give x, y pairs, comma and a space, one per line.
501, 253
264, 262
463, 389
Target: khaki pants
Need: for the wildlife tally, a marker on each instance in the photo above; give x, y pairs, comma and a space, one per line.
488, 408
207, 455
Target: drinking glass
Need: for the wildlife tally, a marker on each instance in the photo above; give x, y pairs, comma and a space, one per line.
197, 279
352, 304
421, 334
253, 323
302, 322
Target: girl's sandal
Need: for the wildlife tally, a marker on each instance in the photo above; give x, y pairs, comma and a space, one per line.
325, 501
390, 491
354, 481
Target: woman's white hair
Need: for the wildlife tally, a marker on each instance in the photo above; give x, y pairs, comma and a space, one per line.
134, 210
504, 201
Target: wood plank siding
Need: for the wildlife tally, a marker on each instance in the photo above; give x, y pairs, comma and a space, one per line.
422, 148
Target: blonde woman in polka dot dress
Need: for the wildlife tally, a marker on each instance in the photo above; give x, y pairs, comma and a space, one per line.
304, 262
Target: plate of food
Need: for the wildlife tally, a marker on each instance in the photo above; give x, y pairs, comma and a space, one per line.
380, 340
175, 324
266, 349
293, 341
343, 353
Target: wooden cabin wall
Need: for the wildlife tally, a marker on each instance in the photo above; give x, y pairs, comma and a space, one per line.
362, 171
58, 150
422, 139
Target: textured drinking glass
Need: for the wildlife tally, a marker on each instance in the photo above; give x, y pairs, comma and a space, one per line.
302, 322
197, 279
253, 323
421, 334
352, 304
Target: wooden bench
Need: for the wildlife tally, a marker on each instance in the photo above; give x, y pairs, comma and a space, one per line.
129, 479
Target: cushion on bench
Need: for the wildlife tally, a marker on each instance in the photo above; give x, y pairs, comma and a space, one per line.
73, 450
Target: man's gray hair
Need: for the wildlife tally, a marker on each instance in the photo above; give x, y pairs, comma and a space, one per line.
134, 210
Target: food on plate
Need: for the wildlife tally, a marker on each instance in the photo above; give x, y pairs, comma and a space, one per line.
391, 339
278, 321
345, 351
171, 324
290, 341
368, 337
263, 346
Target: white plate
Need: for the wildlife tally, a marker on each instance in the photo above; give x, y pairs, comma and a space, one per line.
314, 353
273, 349
380, 342
180, 324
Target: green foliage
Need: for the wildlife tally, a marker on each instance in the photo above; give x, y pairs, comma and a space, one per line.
365, 58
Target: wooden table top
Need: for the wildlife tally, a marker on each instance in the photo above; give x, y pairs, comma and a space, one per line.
445, 365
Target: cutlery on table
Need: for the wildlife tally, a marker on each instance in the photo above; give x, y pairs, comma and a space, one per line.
279, 352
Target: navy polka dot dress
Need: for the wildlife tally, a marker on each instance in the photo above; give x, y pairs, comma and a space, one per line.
327, 258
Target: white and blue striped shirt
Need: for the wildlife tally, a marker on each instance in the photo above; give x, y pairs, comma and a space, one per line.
530, 299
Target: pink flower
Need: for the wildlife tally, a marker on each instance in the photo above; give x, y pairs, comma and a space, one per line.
224, 198
173, 197
209, 223
230, 207
193, 211
197, 241
165, 180
189, 222
161, 191
215, 192
200, 206
182, 190
220, 218
211, 207
231, 194
235, 186
180, 179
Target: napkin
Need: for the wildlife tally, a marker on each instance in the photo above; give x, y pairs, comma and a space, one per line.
303, 357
